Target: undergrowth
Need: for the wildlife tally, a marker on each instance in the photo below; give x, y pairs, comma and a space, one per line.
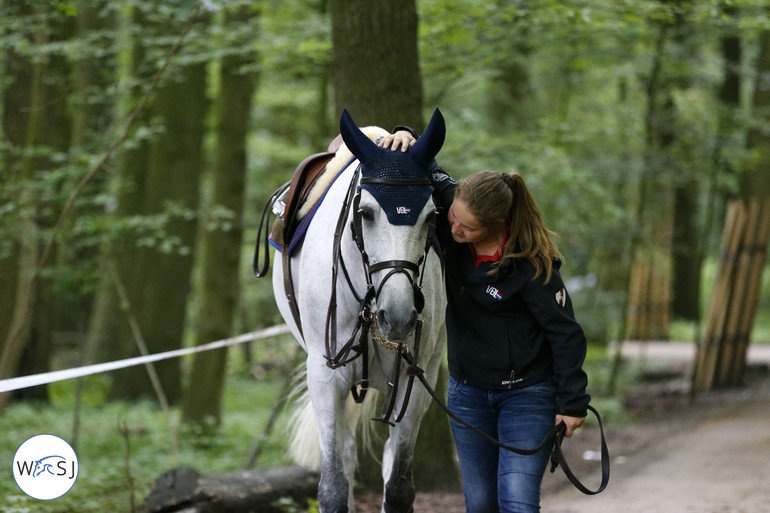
105, 476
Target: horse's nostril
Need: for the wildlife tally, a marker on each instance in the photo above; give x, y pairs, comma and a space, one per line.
382, 320
398, 329
412, 320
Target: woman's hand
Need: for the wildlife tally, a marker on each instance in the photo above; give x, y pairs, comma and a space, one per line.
401, 138
572, 423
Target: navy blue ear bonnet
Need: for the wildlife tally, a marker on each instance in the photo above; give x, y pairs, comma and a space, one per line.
401, 202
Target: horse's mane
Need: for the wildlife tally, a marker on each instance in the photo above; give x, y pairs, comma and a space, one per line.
334, 166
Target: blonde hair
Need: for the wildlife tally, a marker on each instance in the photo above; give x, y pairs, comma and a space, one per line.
500, 200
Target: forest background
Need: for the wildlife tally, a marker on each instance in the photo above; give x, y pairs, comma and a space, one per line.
140, 141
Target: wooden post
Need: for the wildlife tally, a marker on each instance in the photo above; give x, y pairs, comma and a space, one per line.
635, 308
721, 359
709, 351
754, 254
649, 306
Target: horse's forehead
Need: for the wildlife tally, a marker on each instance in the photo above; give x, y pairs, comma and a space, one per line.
369, 200
384, 235
401, 203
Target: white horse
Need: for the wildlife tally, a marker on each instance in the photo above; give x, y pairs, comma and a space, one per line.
393, 280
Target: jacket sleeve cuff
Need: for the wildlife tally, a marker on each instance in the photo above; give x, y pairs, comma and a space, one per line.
574, 413
407, 128
575, 407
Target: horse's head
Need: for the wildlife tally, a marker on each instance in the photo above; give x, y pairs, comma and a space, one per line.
393, 220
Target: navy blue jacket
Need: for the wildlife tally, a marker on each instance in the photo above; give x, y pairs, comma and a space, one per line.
509, 330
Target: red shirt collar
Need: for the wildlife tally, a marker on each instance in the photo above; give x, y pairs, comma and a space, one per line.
488, 258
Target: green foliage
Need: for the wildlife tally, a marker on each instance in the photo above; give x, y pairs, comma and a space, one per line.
578, 141
102, 483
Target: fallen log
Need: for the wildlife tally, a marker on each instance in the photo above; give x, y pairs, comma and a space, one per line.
267, 490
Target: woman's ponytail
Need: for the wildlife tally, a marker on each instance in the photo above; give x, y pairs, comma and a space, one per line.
528, 236
510, 181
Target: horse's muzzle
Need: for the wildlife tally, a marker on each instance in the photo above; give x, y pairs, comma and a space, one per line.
396, 327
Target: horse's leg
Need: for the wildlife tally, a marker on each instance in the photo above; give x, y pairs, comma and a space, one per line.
397, 473
327, 393
397, 460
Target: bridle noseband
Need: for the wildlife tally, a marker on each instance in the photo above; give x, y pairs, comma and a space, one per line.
414, 271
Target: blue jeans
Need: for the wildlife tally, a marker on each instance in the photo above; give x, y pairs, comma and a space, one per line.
496, 480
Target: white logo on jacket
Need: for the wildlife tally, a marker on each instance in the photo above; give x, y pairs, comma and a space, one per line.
561, 297
492, 291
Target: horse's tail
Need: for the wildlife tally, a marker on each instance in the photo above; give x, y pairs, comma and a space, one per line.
304, 447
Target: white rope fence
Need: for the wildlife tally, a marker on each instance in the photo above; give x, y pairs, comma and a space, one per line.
8, 385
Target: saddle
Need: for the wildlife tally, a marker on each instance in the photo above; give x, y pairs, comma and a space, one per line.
303, 179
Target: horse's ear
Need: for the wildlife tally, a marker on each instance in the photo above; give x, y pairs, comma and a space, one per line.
430, 142
356, 141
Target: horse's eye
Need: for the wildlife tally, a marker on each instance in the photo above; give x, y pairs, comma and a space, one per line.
367, 214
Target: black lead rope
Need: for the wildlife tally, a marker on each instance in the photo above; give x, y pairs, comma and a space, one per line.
557, 458
556, 433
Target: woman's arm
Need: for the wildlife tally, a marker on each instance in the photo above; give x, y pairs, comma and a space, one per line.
551, 306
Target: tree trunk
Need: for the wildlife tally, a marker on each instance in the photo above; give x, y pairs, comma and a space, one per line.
15, 118
669, 246
377, 78
109, 334
649, 305
93, 75
172, 190
221, 245
511, 95
686, 252
376, 66
55, 138
28, 343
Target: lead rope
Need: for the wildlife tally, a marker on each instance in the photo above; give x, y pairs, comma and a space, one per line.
556, 433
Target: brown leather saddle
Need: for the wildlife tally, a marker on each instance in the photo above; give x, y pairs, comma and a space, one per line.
303, 179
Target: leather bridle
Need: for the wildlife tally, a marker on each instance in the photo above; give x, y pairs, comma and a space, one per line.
414, 271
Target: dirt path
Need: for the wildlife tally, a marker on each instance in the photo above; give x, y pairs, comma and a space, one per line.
720, 465
712, 456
